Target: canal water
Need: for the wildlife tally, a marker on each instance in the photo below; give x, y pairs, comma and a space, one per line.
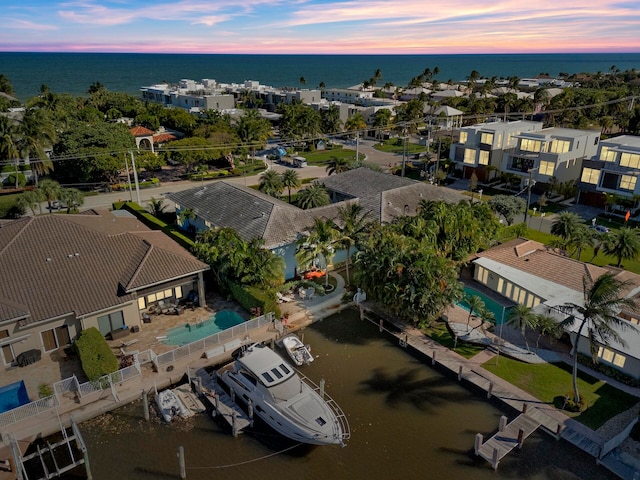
407, 421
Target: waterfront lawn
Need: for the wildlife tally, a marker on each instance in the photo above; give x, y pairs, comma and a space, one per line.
438, 331
322, 157
550, 380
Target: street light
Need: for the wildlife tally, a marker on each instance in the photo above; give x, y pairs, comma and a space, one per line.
529, 185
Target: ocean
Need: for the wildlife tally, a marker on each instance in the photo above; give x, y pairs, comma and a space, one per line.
73, 73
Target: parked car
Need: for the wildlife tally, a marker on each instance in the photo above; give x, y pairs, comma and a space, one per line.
600, 228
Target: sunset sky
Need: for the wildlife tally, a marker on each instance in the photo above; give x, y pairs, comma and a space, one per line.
320, 26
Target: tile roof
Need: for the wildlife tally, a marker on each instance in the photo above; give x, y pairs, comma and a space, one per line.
164, 138
537, 259
61, 264
139, 131
364, 182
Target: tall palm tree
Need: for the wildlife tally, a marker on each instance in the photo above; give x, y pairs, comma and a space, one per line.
337, 165
30, 199
547, 326
72, 198
253, 130
603, 300
50, 189
271, 183
37, 131
319, 243
565, 226
522, 318
623, 243
475, 305
582, 238
315, 195
9, 147
185, 216
352, 225
290, 179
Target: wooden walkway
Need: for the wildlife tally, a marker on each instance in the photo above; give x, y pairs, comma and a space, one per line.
222, 404
508, 437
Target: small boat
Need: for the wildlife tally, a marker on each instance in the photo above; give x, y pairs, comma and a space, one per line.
286, 400
170, 405
299, 352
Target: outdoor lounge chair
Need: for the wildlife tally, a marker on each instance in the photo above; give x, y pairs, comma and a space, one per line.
284, 298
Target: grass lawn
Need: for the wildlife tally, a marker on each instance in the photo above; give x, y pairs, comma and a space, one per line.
6, 202
548, 381
438, 331
395, 145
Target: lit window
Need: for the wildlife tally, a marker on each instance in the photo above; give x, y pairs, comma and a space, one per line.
631, 160
590, 175
515, 294
536, 302
141, 303
486, 138
470, 156
546, 168
483, 158
619, 360
627, 182
152, 298
559, 146
178, 292
168, 293
507, 289
605, 354
500, 284
463, 137
528, 145
522, 297
607, 155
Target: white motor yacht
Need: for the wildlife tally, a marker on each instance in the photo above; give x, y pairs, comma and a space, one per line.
287, 401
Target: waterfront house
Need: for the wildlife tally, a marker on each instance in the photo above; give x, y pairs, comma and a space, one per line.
254, 214
531, 274
66, 273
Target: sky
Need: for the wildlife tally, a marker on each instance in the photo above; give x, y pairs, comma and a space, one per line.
320, 26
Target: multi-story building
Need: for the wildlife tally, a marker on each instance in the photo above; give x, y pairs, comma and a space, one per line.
550, 152
484, 144
613, 169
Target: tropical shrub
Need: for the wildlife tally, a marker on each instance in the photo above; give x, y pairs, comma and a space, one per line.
96, 357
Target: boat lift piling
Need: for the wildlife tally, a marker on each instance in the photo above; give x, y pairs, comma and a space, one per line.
181, 463
145, 404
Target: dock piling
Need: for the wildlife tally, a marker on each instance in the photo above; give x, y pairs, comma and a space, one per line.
495, 459
234, 429
145, 405
460, 373
520, 438
490, 391
478, 443
524, 407
183, 468
502, 424
381, 327
250, 410
433, 358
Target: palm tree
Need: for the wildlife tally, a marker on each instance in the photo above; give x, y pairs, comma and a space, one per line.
319, 243
582, 237
565, 226
522, 318
623, 243
352, 225
475, 305
30, 199
156, 206
50, 189
37, 131
185, 216
253, 130
72, 198
547, 326
9, 148
290, 179
603, 299
271, 183
337, 165
315, 195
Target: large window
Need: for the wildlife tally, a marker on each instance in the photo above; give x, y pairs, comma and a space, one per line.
483, 157
482, 274
7, 350
607, 155
631, 160
56, 337
546, 168
463, 137
470, 156
486, 138
559, 146
628, 182
112, 321
522, 164
528, 145
590, 175
608, 355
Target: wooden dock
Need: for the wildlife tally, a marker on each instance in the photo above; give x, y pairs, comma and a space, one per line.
222, 404
508, 437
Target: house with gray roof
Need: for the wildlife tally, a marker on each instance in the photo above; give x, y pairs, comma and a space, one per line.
529, 273
66, 273
254, 214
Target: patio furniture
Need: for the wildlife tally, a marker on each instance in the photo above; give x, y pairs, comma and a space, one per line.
283, 298
28, 357
146, 318
119, 333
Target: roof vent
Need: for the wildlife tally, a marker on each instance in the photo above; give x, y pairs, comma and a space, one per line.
76, 254
70, 255
48, 259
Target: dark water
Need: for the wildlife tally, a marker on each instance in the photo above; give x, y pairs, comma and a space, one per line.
74, 72
407, 421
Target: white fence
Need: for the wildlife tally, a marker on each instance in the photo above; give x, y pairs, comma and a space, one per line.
110, 381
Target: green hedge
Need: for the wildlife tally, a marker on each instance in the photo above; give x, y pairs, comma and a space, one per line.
155, 223
96, 357
252, 297
11, 180
153, 182
609, 371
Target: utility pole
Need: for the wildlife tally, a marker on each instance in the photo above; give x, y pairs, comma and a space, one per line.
126, 163
404, 154
529, 185
135, 176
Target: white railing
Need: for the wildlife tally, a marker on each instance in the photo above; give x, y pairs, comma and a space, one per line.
28, 410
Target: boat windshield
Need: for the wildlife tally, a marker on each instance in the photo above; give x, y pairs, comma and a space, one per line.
286, 390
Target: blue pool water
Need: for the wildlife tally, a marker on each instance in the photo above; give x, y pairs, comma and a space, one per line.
501, 313
13, 396
188, 333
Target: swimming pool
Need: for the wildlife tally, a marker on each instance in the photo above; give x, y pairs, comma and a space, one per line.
188, 333
500, 312
13, 396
